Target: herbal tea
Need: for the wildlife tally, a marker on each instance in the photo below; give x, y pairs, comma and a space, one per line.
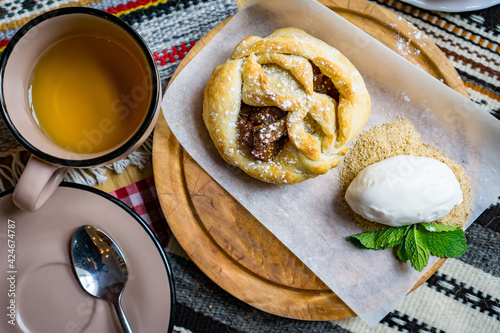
88, 94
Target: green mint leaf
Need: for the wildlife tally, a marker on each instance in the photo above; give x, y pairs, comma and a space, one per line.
416, 250
438, 228
356, 241
402, 254
415, 242
444, 244
380, 239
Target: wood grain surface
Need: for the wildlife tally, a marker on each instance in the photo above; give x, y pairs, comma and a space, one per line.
224, 240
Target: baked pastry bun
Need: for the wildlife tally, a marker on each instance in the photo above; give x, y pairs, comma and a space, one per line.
282, 108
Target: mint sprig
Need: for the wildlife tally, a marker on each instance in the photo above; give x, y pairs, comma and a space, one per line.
380, 239
415, 242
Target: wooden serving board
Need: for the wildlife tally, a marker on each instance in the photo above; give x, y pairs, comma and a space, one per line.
224, 240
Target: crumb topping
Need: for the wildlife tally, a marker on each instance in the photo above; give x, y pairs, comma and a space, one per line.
400, 138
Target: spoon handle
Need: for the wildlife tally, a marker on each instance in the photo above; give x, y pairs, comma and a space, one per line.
121, 317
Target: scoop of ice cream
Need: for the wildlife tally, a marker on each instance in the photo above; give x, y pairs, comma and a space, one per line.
404, 190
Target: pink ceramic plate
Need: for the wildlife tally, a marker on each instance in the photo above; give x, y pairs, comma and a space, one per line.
39, 290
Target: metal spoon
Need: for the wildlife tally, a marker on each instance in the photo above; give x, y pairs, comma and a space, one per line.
100, 267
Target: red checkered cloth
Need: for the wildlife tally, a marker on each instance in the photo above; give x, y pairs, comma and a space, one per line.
143, 199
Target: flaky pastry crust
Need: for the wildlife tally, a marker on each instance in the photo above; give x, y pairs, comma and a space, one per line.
278, 71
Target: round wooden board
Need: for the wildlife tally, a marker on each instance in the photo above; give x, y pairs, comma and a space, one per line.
224, 240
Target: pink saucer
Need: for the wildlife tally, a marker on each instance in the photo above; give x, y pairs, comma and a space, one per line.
39, 289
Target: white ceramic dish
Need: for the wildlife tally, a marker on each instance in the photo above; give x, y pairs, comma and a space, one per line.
453, 6
37, 276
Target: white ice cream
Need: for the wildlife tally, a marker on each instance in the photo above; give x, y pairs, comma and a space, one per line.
404, 190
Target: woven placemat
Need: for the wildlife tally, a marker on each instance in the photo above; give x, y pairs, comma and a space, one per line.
463, 296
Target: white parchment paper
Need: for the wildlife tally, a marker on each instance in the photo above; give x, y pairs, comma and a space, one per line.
309, 217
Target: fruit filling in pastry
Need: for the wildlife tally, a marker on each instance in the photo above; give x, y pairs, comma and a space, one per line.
322, 84
263, 129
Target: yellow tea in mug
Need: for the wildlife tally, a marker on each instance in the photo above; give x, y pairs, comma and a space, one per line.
88, 94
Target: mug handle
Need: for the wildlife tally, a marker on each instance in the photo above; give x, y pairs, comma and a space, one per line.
37, 183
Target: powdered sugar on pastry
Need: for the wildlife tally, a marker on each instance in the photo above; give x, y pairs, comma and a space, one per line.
283, 107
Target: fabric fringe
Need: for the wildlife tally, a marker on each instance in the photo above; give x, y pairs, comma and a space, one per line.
9, 174
181, 329
97, 175
12, 172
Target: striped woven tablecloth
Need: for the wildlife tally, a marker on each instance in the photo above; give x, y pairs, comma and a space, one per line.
464, 294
